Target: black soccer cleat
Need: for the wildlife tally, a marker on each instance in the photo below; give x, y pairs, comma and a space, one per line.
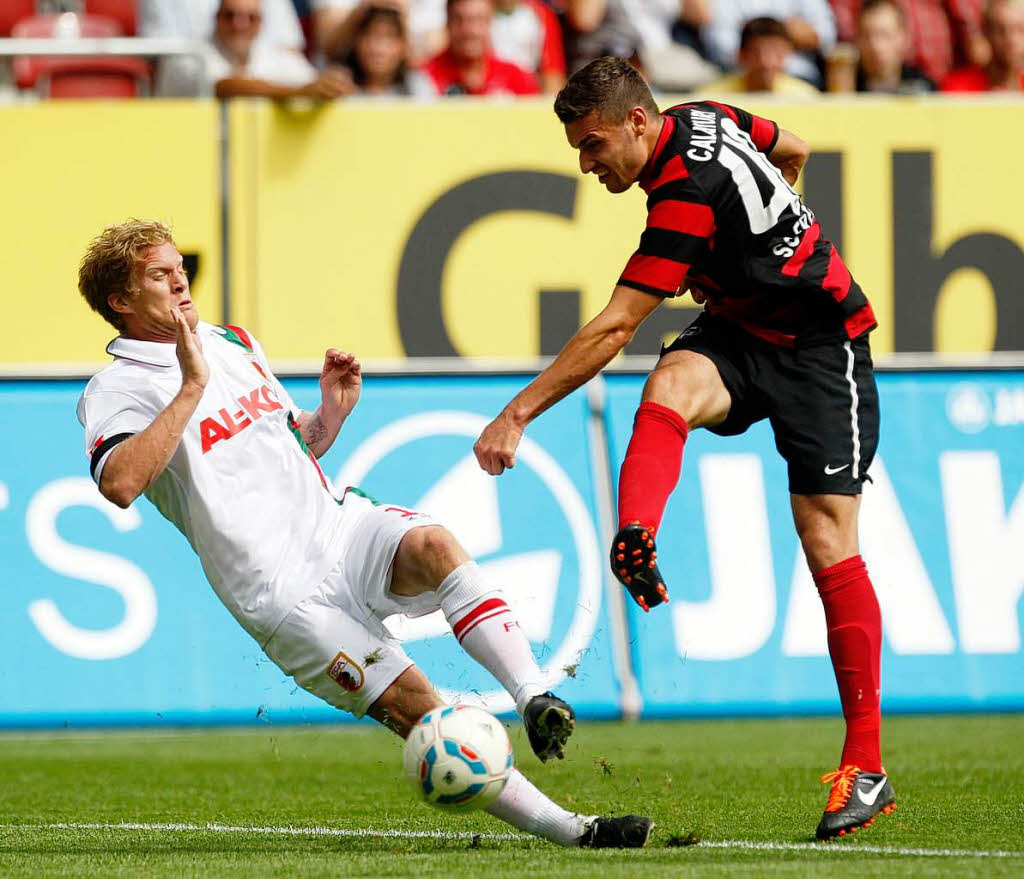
629, 831
634, 563
854, 801
549, 723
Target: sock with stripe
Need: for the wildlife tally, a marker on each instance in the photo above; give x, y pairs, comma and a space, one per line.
651, 467
490, 633
522, 805
854, 624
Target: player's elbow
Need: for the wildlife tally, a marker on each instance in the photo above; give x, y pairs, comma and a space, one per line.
118, 492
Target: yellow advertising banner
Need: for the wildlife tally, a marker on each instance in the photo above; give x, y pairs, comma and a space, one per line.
467, 229
71, 168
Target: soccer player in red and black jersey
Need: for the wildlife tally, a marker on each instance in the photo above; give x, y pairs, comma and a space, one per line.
783, 336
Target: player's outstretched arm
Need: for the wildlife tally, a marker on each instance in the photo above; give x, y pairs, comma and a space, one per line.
134, 464
583, 356
341, 380
789, 155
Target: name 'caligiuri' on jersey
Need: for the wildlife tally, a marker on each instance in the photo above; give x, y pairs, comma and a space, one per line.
722, 219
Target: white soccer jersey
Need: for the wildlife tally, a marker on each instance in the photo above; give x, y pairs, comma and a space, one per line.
242, 486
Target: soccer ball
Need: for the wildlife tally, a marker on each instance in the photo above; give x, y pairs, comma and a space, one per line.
458, 757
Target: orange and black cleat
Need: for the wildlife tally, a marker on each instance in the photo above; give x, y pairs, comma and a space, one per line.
854, 801
634, 563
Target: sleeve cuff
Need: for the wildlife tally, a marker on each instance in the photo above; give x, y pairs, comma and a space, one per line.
102, 452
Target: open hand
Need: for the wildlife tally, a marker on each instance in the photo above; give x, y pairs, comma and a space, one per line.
194, 369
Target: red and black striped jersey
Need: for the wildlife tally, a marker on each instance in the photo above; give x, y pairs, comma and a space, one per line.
723, 220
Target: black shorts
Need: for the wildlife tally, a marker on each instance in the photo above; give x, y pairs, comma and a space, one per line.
821, 400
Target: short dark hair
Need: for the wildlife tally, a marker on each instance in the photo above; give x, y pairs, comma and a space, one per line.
763, 27
609, 86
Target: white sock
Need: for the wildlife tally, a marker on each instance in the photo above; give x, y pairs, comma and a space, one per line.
522, 805
489, 632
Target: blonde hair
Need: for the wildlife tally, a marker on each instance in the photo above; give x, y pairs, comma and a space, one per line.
108, 266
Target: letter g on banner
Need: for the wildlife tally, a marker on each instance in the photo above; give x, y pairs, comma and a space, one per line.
418, 297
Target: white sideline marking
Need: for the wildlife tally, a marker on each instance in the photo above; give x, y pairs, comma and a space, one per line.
842, 848
266, 831
835, 848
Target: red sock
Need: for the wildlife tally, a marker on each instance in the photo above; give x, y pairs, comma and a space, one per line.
855, 644
651, 467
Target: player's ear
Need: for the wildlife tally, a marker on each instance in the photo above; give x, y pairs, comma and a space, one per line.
638, 120
121, 302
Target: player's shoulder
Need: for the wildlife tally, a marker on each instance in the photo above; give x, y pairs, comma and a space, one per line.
120, 376
123, 384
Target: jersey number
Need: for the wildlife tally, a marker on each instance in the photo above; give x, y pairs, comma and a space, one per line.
737, 154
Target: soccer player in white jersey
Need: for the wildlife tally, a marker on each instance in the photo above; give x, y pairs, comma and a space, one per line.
191, 415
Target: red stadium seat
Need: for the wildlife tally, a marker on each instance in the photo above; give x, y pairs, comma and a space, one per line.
111, 75
13, 11
124, 12
92, 84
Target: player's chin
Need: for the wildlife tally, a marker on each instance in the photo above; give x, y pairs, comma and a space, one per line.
614, 184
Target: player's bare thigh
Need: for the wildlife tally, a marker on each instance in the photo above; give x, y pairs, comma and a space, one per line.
827, 527
689, 383
408, 698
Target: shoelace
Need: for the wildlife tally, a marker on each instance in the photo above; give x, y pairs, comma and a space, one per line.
842, 786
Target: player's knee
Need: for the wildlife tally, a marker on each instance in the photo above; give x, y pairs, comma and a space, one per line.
432, 552
823, 543
690, 387
666, 388
402, 704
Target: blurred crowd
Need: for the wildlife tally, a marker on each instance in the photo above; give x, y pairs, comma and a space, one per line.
328, 49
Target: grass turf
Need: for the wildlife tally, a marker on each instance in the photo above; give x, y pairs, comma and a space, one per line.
959, 781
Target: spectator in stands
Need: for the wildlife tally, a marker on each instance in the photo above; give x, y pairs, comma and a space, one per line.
527, 33
238, 64
882, 42
941, 32
469, 66
335, 23
809, 24
1004, 29
642, 31
194, 20
378, 60
765, 46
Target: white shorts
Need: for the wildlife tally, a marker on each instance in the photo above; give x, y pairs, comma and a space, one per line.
334, 643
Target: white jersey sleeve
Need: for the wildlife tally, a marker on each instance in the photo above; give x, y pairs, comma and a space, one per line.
111, 415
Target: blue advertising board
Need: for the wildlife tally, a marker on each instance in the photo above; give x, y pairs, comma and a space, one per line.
942, 532
108, 618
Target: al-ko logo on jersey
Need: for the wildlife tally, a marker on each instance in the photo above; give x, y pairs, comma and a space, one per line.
545, 558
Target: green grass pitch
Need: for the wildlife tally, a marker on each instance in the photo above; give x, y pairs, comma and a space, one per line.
212, 803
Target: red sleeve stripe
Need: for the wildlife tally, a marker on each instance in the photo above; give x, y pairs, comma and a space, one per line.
837, 278
483, 611
862, 320
682, 216
795, 263
762, 132
674, 170
655, 271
